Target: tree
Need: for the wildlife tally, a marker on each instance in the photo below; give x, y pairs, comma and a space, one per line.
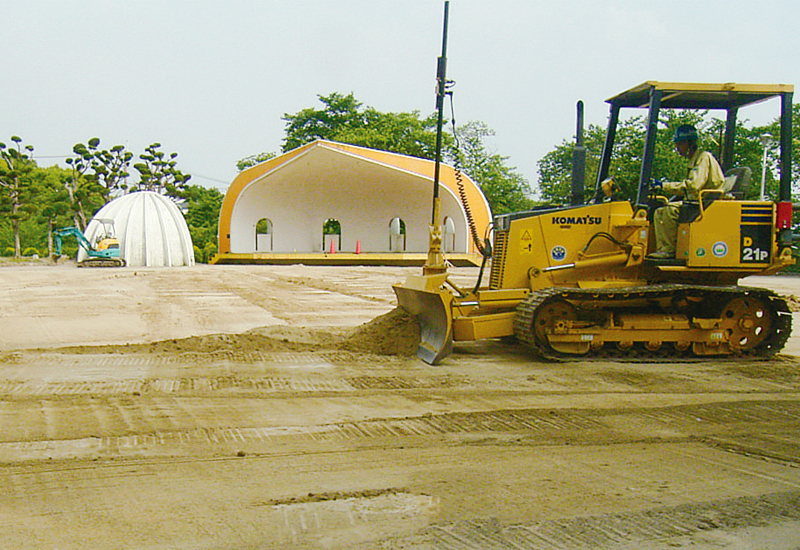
555, 168
79, 185
110, 168
35, 200
158, 173
202, 215
754, 151
505, 189
15, 168
344, 120
96, 174
404, 133
252, 160
310, 124
52, 205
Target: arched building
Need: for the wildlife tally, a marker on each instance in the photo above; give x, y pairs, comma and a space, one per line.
330, 197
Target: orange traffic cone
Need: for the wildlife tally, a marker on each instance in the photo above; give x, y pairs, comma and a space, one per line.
333, 247
358, 246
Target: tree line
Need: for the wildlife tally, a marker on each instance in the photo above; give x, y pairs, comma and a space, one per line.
35, 200
344, 119
555, 168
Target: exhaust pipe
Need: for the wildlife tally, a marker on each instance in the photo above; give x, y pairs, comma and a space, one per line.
578, 162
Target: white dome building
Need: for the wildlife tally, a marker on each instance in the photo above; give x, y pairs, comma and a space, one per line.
151, 230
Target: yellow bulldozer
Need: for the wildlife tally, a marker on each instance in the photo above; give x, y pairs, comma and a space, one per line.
572, 281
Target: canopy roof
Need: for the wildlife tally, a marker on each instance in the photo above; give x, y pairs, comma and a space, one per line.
682, 95
361, 188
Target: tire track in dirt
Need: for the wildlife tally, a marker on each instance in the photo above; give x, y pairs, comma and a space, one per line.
175, 442
607, 531
744, 412
154, 427
200, 385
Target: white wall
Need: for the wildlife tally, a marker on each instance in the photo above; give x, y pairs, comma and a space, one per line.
362, 195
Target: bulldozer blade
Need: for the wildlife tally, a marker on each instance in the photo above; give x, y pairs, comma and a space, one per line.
432, 310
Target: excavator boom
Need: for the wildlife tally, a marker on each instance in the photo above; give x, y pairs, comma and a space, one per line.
106, 254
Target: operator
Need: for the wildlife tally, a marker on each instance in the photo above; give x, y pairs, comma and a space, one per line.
704, 173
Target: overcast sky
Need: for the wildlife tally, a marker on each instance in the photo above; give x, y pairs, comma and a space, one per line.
211, 80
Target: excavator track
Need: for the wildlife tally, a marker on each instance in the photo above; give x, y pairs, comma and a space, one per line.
666, 322
102, 262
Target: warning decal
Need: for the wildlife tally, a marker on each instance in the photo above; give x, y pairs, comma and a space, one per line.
527, 242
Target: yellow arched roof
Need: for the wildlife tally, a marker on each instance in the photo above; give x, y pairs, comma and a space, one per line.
479, 207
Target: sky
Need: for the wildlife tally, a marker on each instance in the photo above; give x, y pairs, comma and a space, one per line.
211, 80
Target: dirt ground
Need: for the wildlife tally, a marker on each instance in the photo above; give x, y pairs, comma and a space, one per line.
254, 407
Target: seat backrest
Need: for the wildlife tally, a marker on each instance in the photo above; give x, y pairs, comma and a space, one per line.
739, 180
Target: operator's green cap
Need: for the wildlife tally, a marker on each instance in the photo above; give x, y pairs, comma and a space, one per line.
685, 132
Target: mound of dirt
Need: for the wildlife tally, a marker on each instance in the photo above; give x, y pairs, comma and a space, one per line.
395, 333
213, 343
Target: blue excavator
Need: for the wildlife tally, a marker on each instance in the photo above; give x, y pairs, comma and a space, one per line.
104, 253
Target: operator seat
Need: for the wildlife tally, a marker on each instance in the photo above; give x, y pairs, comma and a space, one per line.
740, 181
737, 181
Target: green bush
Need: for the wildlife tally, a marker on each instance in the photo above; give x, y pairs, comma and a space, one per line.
70, 250
198, 254
30, 251
209, 250
8, 252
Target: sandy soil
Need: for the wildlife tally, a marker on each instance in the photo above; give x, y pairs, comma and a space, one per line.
243, 407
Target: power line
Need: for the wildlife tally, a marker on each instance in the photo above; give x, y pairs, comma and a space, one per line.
193, 174
196, 175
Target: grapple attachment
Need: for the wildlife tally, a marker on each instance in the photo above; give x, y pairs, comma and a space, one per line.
424, 297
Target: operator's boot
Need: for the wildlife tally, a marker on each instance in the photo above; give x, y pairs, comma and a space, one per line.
661, 255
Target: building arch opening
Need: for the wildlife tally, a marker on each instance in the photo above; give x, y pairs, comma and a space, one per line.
397, 235
448, 235
331, 235
264, 241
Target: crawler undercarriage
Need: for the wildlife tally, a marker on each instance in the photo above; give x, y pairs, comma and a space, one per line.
665, 321
102, 262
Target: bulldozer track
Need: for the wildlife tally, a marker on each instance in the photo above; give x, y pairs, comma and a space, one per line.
710, 295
